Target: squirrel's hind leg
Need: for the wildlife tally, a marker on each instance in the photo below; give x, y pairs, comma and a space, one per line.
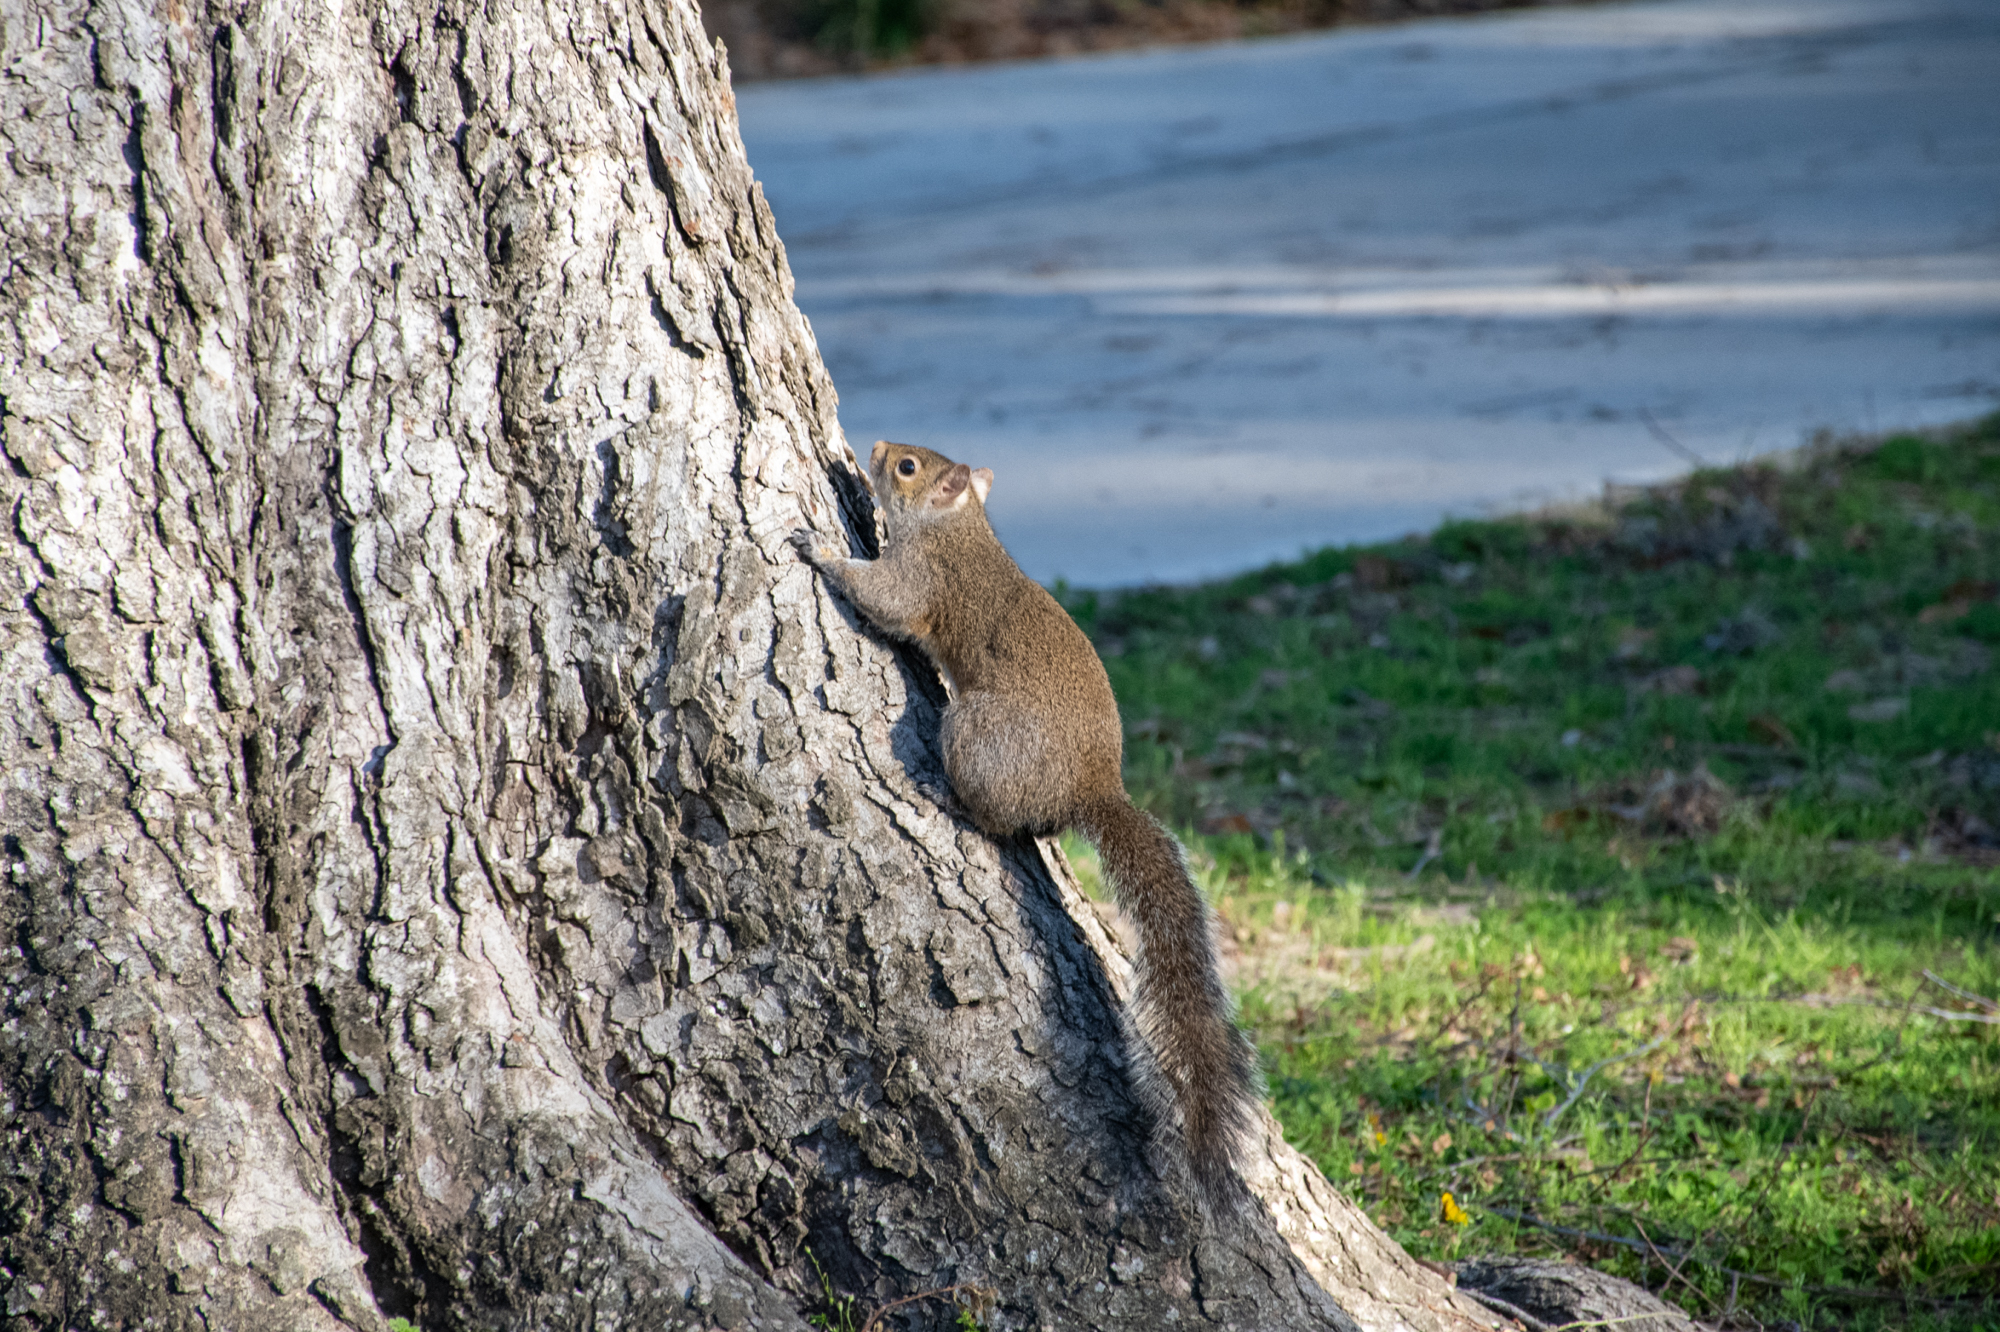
1002, 765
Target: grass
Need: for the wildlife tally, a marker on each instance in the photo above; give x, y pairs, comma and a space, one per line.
1624, 873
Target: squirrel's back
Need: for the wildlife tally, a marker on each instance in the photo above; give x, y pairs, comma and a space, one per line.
1014, 636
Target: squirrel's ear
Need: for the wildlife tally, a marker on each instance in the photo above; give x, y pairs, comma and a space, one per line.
982, 481
950, 489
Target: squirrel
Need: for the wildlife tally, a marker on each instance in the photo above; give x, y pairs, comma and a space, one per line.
1032, 743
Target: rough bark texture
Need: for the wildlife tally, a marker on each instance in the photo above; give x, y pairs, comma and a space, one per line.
1542, 1295
460, 866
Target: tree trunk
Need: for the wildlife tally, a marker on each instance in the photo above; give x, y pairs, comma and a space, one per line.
461, 867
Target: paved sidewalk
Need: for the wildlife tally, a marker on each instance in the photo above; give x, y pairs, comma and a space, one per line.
1207, 307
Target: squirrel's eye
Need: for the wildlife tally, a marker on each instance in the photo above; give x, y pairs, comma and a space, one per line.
907, 467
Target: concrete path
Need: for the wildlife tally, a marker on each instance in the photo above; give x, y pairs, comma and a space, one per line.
1208, 307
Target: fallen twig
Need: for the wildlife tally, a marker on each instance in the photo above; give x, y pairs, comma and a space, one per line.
1843, 1292
1484, 1119
1513, 1053
1432, 849
1583, 1079
1645, 1137
1673, 1269
1948, 1014
1969, 996
1811, 1000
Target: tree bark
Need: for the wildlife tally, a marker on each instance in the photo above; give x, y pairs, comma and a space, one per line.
460, 866
1542, 1295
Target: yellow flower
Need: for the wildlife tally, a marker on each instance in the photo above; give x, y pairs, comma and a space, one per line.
1375, 1125
1452, 1212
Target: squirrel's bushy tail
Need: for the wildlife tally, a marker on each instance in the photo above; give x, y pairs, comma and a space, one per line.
1183, 1009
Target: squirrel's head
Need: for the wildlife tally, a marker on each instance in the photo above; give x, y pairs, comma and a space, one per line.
915, 485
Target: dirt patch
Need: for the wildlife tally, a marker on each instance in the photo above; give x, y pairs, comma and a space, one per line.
773, 39
1667, 804
1962, 835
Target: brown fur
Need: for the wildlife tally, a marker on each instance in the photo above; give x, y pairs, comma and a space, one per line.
1032, 743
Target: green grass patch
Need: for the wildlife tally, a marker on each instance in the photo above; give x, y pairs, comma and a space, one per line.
1694, 791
